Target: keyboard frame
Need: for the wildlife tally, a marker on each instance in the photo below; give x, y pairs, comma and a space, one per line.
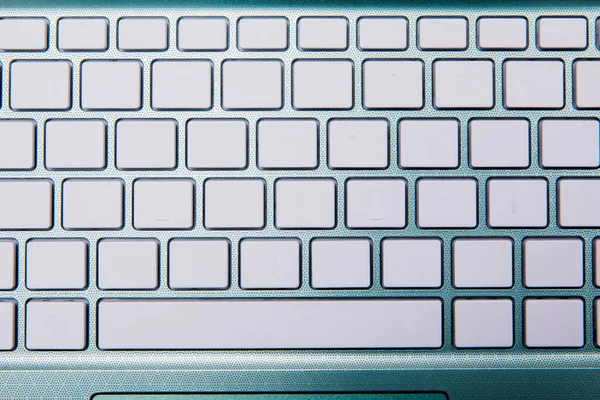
461, 374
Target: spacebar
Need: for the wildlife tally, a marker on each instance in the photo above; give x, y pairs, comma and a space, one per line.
152, 324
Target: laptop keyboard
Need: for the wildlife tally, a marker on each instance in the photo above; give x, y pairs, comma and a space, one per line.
291, 181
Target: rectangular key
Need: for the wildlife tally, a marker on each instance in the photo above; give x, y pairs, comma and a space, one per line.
26, 204
269, 324
23, 34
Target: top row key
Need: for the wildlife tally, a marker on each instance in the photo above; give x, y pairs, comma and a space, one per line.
316, 33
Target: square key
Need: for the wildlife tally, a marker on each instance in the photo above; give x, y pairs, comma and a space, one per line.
288, 143
83, 34
128, 264
323, 85
146, 144
17, 144
57, 264
393, 84
447, 203
203, 34
305, 203
517, 203
382, 33
554, 322
234, 204
182, 85
411, 263
92, 204
252, 84
499, 143
376, 203
26, 204
199, 263
553, 262
111, 85
358, 143
428, 143
340, 263
270, 263
483, 323
56, 324
217, 144
577, 203
73, 144
40, 85
534, 84
482, 263
466, 84
163, 203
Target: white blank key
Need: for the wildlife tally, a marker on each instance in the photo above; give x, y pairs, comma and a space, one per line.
393, 84
163, 204
8, 264
562, 33
517, 203
269, 323
482, 263
448, 33
146, 144
234, 204
586, 83
447, 203
8, 324
199, 263
252, 85
202, 34
569, 143
17, 144
128, 264
358, 143
270, 263
428, 143
411, 263
83, 34
577, 203
499, 143
305, 203
75, 144
340, 263
323, 33
23, 34
554, 322
40, 85
376, 203
217, 144
56, 324
288, 143
182, 85
463, 84
553, 263
318, 85
531, 84
143, 34
500, 33
483, 323
26, 204
57, 264
92, 204
262, 33
382, 33
111, 85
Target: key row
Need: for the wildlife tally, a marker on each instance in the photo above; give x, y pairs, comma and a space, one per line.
205, 263
315, 84
63, 324
326, 33
229, 203
223, 144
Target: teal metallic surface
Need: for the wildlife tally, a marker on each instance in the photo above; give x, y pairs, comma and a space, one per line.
516, 373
